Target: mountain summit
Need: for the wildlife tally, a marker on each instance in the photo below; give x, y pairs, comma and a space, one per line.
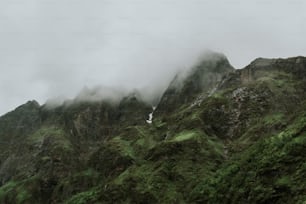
218, 135
200, 80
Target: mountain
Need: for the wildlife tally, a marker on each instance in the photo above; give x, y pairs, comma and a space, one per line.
218, 135
198, 82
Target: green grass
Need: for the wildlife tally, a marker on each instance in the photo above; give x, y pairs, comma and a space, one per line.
123, 146
170, 165
8, 187
19, 191
272, 119
22, 196
186, 135
56, 134
270, 171
89, 196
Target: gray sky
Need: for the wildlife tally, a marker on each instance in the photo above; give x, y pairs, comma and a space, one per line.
51, 48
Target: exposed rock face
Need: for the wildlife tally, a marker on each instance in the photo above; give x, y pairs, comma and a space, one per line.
200, 81
259, 67
219, 135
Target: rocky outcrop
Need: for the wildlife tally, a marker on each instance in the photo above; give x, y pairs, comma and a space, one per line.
200, 81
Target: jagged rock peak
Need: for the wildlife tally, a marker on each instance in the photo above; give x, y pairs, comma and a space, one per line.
212, 61
32, 102
29, 105
200, 79
208, 64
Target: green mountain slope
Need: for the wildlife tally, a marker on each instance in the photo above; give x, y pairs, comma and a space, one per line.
219, 135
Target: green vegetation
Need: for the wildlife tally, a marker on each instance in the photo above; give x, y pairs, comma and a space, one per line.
53, 133
271, 171
184, 136
19, 191
89, 196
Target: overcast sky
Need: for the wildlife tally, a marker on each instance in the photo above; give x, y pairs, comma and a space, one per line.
51, 48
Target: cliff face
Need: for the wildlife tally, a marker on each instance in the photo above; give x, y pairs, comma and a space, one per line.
200, 81
219, 135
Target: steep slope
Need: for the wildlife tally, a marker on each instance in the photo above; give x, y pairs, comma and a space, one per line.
273, 170
266, 149
197, 83
41, 146
14, 127
219, 135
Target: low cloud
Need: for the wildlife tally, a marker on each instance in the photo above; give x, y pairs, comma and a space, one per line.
52, 49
